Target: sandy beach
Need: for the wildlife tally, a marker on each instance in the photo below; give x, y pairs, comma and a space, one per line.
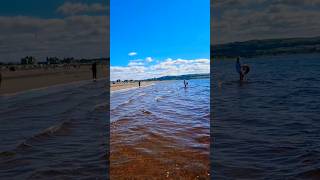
22, 80
129, 85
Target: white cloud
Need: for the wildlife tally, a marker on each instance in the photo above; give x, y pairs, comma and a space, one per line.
69, 8
241, 20
149, 59
132, 53
168, 67
79, 36
137, 62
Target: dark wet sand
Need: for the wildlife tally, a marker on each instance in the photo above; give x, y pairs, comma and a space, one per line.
156, 132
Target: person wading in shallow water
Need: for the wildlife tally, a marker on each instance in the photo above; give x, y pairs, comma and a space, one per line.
185, 83
243, 70
139, 83
0, 78
94, 71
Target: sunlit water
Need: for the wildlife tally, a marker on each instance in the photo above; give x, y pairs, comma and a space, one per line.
55, 133
161, 131
269, 126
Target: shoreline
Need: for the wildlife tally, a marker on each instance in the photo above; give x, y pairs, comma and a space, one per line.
26, 80
51, 86
119, 87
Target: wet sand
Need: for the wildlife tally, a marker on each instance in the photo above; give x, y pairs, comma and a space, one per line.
23, 80
160, 132
130, 85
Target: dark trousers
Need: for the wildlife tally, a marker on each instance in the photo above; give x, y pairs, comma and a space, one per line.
94, 74
241, 76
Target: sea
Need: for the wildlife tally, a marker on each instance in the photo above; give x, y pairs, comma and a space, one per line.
162, 130
59, 132
269, 126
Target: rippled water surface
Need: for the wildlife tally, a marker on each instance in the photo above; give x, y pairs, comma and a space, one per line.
268, 127
161, 131
55, 133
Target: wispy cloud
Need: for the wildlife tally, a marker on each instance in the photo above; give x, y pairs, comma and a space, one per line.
69, 8
79, 36
240, 20
138, 62
149, 59
132, 53
136, 69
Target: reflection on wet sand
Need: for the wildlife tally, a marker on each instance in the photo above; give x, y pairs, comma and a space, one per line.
161, 131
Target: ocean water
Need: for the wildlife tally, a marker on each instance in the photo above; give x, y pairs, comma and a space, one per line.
268, 127
161, 131
55, 133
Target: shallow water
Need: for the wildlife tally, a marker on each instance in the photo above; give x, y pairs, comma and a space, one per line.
269, 126
161, 131
55, 133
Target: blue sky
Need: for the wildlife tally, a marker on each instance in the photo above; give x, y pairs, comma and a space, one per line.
157, 32
38, 8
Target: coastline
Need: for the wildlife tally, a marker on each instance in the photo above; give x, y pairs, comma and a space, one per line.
117, 87
26, 80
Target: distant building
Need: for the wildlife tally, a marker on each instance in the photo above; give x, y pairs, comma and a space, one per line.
53, 60
68, 60
28, 60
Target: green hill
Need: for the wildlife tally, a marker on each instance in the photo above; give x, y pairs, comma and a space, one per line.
254, 48
181, 77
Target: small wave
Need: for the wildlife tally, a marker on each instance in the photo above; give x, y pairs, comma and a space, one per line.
23, 146
60, 129
310, 174
158, 98
203, 139
127, 102
206, 116
7, 154
142, 94
145, 112
301, 92
306, 79
101, 107
119, 122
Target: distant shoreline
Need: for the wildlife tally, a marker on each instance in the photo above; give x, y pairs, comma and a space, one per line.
130, 85
273, 47
261, 56
25, 80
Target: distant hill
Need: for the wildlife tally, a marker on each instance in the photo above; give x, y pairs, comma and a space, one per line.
181, 77
254, 48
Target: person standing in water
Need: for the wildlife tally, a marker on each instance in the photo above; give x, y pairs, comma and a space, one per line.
242, 69
185, 83
139, 83
238, 68
94, 71
0, 78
